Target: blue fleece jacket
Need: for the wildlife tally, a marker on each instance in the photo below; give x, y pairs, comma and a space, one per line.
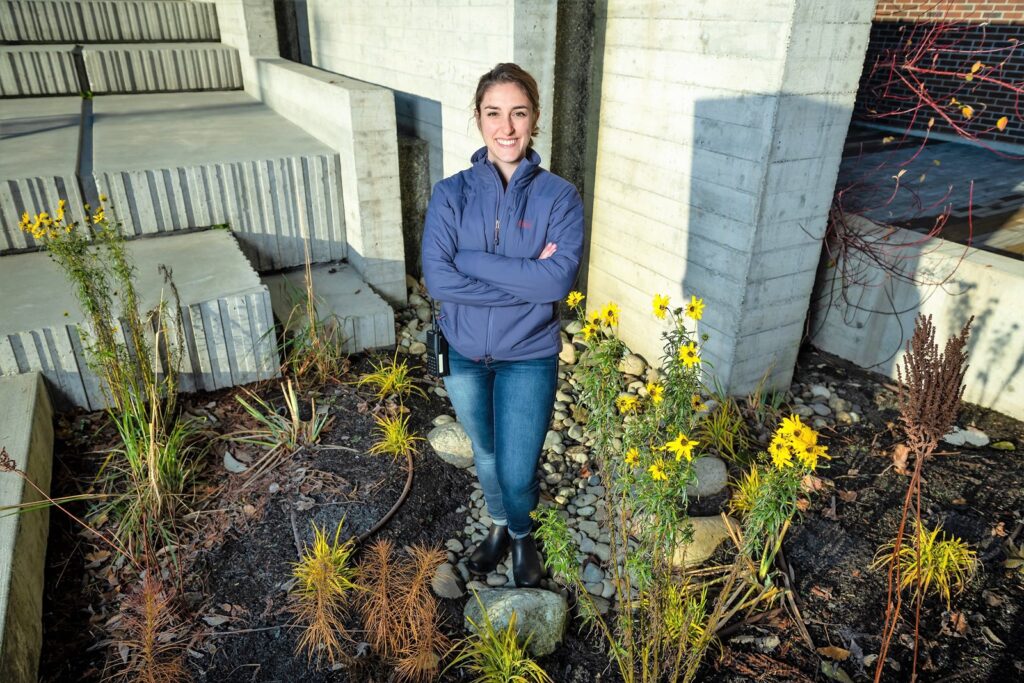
480, 247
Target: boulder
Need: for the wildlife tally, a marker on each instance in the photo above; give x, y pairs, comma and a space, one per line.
452, 444
712, 477
541, 615
446, 583
708, 533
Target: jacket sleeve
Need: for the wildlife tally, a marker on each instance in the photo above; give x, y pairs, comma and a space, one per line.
534, 280
444, 281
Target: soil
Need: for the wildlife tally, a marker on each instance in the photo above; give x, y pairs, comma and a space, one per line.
237, 551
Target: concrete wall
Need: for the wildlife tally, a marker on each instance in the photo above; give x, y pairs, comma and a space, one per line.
26, 431
721, 127
438, 51
872, 320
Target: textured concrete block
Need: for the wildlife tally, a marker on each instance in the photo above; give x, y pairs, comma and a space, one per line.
96, 21
871, 320
209, 170
228, 324
162, 67
26, 432
367, 321
29, 70
38, 149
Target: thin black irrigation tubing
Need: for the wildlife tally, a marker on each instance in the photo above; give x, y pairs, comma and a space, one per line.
394, 508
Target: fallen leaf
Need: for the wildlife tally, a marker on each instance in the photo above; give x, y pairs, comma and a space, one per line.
248, 510
900, 456
958, 620
1001, 123
802, 504
991, 637
1003, 446
887, 139
835, 673
976, 66
931, 122
991, 599
812, 483
846, 496
215, 620
855, 573
959, 501
967, 111
999, 529
304, 503
832, 652
823, 593
968, 77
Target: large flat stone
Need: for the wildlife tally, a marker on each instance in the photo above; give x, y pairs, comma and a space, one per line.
227, 318
26, 432
170, 162
161, 67
32, 70
38, 152
95, 21
367, 320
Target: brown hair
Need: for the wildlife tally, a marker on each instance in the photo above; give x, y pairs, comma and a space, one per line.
507, 72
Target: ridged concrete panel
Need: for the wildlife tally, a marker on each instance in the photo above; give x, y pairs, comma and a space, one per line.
33, 196
264, 202
26, 431
226, 315
32, 21
162, 67
27, 70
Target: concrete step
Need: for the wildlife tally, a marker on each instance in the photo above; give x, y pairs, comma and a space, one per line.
228, 322
162, 67
367, 321
26, 432
30, 70
173, 162
95, 21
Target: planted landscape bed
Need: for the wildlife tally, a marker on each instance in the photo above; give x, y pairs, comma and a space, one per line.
233, 566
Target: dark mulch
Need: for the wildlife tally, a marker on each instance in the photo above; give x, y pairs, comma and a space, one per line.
241, 548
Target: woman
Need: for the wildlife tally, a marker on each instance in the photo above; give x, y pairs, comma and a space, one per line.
501, 247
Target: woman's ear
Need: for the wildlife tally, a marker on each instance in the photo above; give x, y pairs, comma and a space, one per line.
476, 117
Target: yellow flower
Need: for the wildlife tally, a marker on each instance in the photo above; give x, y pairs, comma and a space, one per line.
610, 314
595, 318
660, 305
574, 299
26, 221
681, 447
656, 392
781, 454
793, 429
99, 216
589, 331
103, 197
657, 470
697, 403
809, 456
688, 355
627, 403
695, 309
632, 457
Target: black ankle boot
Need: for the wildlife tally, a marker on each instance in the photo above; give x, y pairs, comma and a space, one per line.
526, 566
490, 551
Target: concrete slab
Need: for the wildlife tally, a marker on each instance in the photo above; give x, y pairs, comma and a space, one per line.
26, 432
367, 320
226, 310
38, 153
170, 162
161, 67
32, 70
93, 21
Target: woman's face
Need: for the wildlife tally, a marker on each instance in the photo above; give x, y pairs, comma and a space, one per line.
505, 119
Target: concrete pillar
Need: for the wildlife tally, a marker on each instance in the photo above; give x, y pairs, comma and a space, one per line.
721, 129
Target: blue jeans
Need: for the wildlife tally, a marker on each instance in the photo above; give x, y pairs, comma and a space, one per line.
505, 407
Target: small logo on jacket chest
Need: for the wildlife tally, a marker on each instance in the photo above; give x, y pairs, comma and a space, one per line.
525, 224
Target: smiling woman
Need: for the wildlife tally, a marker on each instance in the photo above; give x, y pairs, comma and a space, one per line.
500, 291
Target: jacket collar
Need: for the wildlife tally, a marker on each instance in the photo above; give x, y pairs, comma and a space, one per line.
487, 172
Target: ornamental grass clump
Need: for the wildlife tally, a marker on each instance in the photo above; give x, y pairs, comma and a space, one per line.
493, 655
325, 580
391, 377
137, 355
934, 563
313, 346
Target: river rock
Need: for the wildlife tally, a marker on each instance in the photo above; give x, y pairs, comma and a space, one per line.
632, 364
972, 436
568, 353
446, 583
708, 532
712, 477
452, 444
541, 615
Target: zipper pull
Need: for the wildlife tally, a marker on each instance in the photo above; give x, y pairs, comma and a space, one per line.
497, 231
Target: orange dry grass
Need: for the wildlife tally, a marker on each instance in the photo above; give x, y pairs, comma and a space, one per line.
149, 623
400, 613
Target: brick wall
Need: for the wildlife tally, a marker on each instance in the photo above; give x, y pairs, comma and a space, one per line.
992, 11
973, 31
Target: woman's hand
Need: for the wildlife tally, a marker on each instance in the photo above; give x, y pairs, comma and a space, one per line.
549, 250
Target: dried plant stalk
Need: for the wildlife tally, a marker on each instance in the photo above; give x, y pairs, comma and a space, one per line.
154, 654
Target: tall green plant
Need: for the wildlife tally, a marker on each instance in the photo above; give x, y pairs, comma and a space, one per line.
137, 356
